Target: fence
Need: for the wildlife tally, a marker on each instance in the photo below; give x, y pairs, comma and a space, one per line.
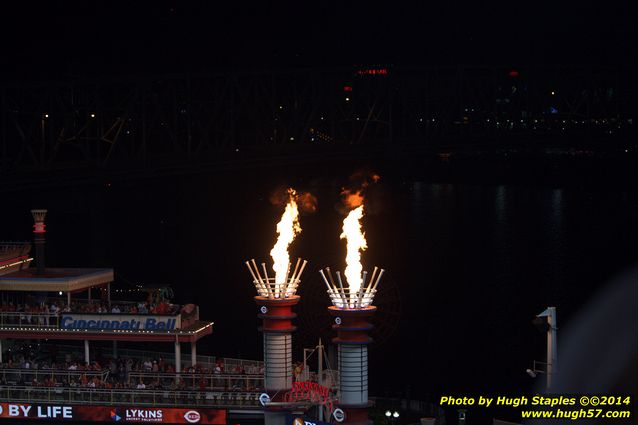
14, 376
207, 362
207, 381
30, 320
26, 394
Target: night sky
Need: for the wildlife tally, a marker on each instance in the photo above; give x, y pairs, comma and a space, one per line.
63, 40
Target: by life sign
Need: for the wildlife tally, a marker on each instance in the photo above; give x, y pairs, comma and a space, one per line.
42, 412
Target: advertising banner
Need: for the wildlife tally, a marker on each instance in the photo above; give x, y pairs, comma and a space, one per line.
123, 414
119, 321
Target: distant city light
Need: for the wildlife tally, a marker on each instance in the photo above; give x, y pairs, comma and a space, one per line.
553, 92
347, 99
373, 71
92, 115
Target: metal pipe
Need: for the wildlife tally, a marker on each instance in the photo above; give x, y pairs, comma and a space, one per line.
343, 292
374, 288
303, 266
263, 266
326, 280
294, 273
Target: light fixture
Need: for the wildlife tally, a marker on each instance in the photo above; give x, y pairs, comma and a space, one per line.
388, 413
395, 414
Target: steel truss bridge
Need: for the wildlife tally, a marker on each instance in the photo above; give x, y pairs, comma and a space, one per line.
177, 120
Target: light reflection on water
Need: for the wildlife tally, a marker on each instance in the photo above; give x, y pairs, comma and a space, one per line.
473, 263
488, 258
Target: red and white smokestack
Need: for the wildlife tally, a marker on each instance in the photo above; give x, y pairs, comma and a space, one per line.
39, 230
276, 301
352, 311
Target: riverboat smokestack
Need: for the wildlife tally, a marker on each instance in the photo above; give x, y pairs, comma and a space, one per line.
39, 229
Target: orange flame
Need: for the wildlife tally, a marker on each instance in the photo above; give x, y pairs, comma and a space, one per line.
355, 243
287, 228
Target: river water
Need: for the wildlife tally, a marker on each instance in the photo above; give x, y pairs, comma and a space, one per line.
468, 265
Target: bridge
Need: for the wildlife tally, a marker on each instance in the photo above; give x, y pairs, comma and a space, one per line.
177, 123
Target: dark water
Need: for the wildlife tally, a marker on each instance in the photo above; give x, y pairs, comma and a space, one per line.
468, 265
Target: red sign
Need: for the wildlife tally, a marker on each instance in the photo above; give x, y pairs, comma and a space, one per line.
161, 415
373, 71
310, 391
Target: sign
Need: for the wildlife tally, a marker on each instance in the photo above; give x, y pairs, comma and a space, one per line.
338, 320
263, 309
373, 71
128, 414
120, 321
264, 399
310, 391
339, 415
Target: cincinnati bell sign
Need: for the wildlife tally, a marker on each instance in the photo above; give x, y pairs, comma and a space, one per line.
120, 321
122, 414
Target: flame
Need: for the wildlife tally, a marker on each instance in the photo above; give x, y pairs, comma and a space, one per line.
356, 242
287, 228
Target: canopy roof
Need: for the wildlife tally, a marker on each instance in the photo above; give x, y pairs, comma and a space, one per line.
54, 279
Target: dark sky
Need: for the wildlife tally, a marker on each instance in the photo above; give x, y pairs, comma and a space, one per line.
73, 38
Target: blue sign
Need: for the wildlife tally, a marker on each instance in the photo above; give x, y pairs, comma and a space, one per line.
111, 322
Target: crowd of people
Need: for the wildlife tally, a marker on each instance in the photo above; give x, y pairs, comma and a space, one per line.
54, 308
25, 365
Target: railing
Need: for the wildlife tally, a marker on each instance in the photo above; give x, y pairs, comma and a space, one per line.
26, 394
29, 320
207, 381
207, 362
11, 375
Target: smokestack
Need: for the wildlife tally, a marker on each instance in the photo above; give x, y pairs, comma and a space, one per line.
352, 312
39, 229
276, 301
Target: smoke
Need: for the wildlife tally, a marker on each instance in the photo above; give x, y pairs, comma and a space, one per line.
354, 193
306, 201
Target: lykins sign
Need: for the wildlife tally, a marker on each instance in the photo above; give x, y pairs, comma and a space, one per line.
120, 321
